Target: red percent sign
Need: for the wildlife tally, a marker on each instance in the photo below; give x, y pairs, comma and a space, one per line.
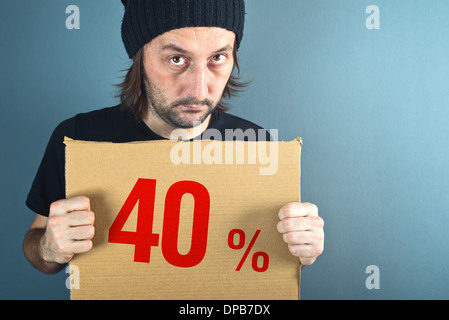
241, 244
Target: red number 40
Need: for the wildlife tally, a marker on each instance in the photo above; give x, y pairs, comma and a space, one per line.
143, 238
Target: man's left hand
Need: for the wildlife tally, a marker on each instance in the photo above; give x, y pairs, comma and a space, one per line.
303, 230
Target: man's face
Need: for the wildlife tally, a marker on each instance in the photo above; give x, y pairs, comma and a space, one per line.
186, 72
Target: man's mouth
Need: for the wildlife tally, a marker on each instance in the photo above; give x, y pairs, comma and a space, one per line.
192, 107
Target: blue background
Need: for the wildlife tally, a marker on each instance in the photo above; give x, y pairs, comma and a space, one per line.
371, 106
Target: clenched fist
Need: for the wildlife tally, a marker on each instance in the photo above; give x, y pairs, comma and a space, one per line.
303, 230
69, 231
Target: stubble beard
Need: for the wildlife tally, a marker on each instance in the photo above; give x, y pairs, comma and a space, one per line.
171, 113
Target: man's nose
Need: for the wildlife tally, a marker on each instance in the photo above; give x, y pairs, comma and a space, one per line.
198, 82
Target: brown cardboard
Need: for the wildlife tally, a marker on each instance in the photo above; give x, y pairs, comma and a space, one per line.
240, 198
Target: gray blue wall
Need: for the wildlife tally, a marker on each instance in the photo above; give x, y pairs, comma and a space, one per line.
372, 106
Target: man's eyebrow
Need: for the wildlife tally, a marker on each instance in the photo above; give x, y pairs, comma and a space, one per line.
174, 47
225, 48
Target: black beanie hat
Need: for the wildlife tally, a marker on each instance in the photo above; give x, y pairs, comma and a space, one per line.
144, 20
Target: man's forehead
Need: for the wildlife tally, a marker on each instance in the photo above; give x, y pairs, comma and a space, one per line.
189, 38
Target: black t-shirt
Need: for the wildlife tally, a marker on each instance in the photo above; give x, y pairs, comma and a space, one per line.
106, 125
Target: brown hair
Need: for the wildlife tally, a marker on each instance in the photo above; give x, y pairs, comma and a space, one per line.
133, 94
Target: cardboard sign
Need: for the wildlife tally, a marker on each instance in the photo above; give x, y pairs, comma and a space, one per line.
175, 226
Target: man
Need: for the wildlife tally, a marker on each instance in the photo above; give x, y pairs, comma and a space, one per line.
183, 55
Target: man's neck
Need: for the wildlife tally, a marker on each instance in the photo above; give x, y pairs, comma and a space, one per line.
159, 127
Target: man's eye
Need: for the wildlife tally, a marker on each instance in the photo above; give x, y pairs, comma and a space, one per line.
177, 61
219, 58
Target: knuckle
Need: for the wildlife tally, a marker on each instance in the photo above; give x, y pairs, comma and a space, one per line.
91, 233
319, 222
88, 245
320, 237
289, 224
289, 209
280, 226
286, 210
319, 249
91, 217
84, 217
55, 206
58, 235
85, 201
291, 237
55, 221
294, 250
61, 248
313, 207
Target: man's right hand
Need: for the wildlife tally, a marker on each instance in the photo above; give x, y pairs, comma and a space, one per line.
69, 231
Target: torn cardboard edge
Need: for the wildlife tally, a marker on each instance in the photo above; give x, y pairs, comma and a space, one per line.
208, 152
70, 140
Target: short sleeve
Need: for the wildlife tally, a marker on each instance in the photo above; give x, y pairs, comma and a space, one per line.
49, 183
